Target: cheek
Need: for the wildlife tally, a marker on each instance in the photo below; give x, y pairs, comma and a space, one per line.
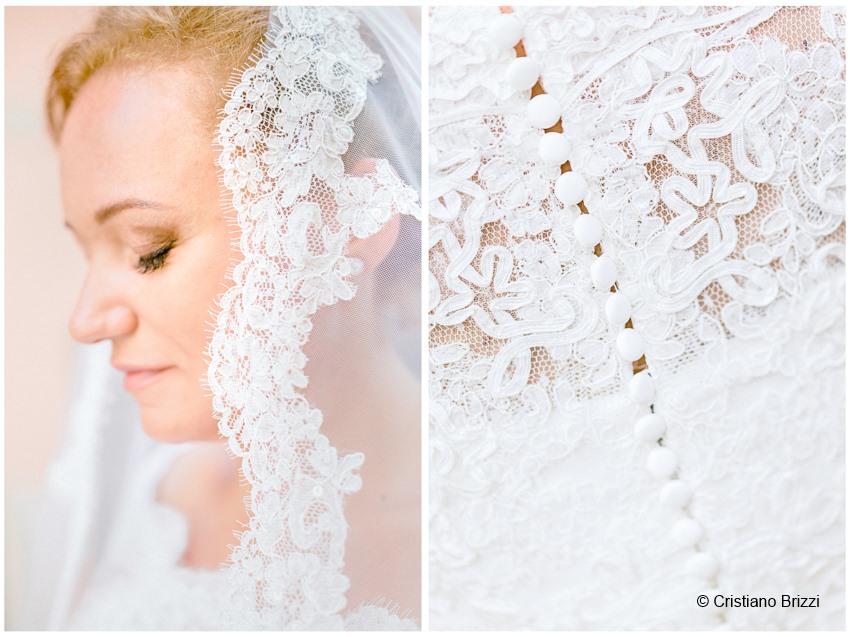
196, 282
187, 304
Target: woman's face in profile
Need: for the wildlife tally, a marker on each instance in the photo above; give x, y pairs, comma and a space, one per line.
141, 194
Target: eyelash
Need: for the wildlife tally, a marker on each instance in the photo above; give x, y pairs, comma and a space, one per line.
155, 260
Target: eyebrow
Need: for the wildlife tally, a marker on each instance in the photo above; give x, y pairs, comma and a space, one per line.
105, 213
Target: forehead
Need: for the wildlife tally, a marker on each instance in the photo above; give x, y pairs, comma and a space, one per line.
135, 132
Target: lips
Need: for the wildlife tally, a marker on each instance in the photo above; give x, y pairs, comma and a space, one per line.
138, 378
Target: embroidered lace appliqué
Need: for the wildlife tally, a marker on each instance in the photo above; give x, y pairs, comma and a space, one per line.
713, 142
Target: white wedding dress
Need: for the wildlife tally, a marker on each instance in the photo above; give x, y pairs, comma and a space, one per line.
712, 141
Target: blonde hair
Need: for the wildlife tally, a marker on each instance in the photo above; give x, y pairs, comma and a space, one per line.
215, 40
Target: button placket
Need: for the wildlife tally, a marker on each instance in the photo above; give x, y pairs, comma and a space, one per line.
571, 188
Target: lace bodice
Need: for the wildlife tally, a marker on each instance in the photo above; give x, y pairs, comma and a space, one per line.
712, 141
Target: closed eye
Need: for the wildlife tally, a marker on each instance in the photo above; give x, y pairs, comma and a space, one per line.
155, 260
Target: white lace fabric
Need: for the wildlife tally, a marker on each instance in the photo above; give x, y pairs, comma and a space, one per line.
713, 142
287, 124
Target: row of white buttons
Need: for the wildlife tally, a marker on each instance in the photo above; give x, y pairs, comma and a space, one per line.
570, 189
661, 462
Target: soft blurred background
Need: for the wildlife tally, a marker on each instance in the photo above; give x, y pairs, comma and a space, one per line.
44, 269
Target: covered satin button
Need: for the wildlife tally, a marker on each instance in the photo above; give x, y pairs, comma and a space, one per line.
588, 230
686, 532
570, 188
661, 462
675, 494
523, 73
505, 30
630, 344
618, 308
702, 565
649, 428
544, 111
603, 272
554, 148
642, 388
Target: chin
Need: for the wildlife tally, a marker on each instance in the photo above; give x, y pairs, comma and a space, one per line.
173, 426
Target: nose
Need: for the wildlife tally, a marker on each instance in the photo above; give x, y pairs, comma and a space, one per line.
101, 311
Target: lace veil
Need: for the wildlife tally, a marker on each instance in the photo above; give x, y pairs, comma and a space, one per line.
286, 127
319, 146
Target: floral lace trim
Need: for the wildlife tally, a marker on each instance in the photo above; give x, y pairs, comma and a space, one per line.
286, 126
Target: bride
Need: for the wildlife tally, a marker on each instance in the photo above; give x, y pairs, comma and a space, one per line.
236, 180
